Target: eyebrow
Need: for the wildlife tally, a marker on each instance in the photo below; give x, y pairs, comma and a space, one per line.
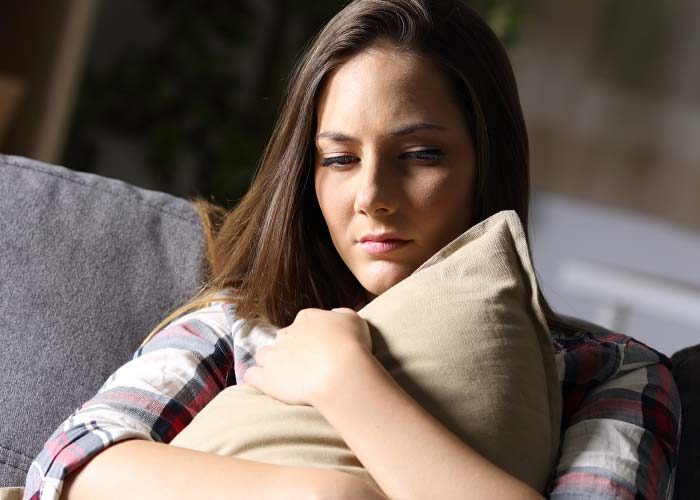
398, 131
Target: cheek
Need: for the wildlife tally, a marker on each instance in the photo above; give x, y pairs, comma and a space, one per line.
442, 190
332, 204
446, 200
322, 193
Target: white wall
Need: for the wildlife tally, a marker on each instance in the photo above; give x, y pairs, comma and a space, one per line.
612, 102
636, 275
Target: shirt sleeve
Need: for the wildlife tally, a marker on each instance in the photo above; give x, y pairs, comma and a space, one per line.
153, 396
620, 422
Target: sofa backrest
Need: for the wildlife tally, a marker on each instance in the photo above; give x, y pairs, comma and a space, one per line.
89, 265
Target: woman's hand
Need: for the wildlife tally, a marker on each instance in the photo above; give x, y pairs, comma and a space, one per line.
302, 363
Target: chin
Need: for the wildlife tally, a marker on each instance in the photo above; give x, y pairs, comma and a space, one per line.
381, 280
375, 289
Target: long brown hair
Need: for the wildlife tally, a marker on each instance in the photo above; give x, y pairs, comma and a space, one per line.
273, 249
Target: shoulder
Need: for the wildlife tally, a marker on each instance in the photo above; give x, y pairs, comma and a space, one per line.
219, 322
221, 312
612, 372
620, 418
218, 314
212, 324
596, 356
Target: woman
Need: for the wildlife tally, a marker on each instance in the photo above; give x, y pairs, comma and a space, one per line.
401, 129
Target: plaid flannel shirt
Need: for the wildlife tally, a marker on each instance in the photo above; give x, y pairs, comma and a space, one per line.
620, 423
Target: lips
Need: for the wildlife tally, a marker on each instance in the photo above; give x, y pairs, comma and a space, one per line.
381, 237
381, 247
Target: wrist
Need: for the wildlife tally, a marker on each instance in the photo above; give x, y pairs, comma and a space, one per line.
342, 371
330, 484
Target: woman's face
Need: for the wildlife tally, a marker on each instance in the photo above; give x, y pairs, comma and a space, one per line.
393, 155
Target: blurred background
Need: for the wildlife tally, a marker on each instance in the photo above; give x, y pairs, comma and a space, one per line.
181, 96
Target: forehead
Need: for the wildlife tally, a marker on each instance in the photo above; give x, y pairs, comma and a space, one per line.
381, 86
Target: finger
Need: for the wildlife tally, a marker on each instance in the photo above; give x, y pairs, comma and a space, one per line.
280, 336
346, 310
252, 376
262, 355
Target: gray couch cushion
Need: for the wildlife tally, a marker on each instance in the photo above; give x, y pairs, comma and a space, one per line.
89, 265
686, 372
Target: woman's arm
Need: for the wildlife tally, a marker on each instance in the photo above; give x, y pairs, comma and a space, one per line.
406, 450
138, 469
151, 397
114, 445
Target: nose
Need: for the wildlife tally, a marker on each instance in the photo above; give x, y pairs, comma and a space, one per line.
376, 189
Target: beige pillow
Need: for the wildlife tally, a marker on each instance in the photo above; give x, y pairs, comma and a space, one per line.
464, 335
11, 493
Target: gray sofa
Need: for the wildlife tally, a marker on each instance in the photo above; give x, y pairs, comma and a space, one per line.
89, 265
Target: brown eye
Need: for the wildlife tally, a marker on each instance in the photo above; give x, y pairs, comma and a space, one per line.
337, 160
424, 154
